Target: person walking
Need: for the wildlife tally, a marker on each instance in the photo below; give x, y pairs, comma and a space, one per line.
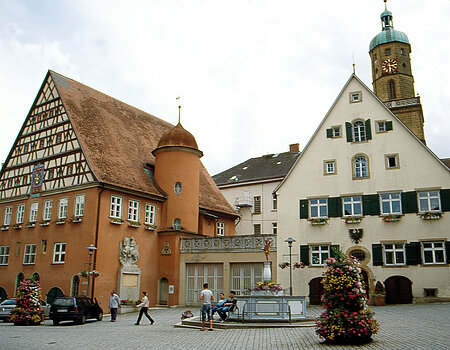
113, 304
145, 303
206, 296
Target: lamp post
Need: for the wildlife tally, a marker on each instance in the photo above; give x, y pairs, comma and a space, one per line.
289, 241
91, 249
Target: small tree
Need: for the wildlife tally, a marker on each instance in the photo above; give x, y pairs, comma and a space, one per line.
347, 318
28, 310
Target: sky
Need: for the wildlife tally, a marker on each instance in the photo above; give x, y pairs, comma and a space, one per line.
253, 76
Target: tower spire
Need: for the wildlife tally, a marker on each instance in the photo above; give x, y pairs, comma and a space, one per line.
179, 111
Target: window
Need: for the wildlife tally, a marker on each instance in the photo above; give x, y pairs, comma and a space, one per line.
7, 217
20, 213
429, 201
178, 188
334, 132
220, 229
47, 214
394, 253
381, 126
392, 92
257, 205
44, 246
274, 228
319, 253
359, 131
352, 206
34, 207
257, 229
355, 97
62, 208
59, 253
392, 161
360, 167
133, 210
274, 202
244, 276
433, 252
116, 207
391, 203
387, 52
150, 214
79, 205
4, 255
318, 208
329, 167
29, 256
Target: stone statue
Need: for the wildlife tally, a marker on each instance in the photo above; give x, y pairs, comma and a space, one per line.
129, 253
267, 244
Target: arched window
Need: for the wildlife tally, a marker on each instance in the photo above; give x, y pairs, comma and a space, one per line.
359, 131
35, 277
75, 285
392, 93
360, 167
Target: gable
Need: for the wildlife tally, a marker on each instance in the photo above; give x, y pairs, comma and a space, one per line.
46, 154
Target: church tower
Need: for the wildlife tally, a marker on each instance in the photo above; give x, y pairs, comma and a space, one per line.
392, 77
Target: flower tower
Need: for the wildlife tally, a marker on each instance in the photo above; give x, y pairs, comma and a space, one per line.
347, 318
28, 311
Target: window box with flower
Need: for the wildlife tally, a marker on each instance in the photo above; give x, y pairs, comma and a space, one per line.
284, 265
4, 227
428, 215
76, 219
150, 227
134, 224
17, 226
352, 219
60, 221
116, 221
391, 218
31, 224
44, 223
318, 221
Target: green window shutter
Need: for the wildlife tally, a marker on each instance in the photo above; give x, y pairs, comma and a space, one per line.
445, 199
409, 202
388, 126
329, 133
303, 208
371, 204
334, 251
348, 130
377, 255
368, 129
304, 254
447, 251
413, 253
334, 207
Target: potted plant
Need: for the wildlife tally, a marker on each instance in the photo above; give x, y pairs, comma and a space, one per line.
379, 297
187, 314
298, 265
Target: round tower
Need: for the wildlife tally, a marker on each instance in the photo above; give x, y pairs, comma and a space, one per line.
392, 77
177, 171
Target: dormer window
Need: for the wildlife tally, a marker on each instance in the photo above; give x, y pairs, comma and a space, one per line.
358, 131
355, 97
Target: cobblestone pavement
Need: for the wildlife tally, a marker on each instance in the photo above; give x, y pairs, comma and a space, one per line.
402, 327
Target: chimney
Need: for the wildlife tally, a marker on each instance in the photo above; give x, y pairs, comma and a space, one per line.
294, 148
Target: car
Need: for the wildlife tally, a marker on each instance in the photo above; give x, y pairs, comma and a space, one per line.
76, 309
9, 304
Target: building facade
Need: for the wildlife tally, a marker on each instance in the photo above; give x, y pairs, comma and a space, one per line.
87, 170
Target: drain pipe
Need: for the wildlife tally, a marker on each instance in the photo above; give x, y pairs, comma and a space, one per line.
96, 236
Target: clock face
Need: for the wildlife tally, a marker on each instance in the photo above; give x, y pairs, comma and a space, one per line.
389, 66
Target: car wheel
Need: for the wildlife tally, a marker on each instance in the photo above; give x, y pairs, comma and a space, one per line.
100, 316
82, 320
55, 322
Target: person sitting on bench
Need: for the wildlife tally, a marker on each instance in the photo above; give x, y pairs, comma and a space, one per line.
219, 304
228, 306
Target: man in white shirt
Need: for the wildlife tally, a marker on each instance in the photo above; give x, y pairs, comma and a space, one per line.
206, 296
114, 302
145, 303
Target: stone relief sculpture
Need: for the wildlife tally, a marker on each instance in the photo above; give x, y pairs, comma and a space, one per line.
129, 252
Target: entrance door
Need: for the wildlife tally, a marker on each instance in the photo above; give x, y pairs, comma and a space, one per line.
315, 291
53, 293
365, 281
398, 290
196, 275
163, 291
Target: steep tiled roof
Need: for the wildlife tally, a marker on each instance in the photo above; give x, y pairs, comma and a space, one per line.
118, 140
270, 166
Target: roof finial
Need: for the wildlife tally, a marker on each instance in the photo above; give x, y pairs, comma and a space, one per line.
179, 111
353, 59
385, 5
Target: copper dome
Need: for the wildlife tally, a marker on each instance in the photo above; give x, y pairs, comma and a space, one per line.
178, 137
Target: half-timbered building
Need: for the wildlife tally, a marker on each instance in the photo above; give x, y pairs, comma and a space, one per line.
87, 170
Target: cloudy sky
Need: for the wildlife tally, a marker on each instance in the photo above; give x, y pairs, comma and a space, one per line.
253, 76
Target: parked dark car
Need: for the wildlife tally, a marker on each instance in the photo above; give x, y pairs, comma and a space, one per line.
76, 309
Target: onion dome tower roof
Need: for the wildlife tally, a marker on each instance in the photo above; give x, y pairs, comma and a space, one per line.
388, 33
178, 137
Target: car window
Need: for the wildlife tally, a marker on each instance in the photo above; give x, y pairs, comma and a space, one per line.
63, 302
43, 303
9, 302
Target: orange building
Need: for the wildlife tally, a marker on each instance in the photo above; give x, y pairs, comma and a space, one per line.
87, 169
